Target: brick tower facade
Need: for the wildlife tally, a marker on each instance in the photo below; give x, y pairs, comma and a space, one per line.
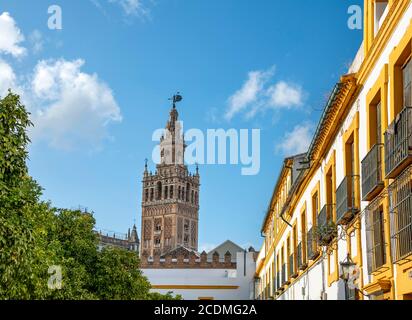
170, 200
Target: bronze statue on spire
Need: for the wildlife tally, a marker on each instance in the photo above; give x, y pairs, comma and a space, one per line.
176, 98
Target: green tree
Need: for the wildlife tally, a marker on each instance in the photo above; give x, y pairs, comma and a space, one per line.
117, 276
35, 236
75, 253
23, 218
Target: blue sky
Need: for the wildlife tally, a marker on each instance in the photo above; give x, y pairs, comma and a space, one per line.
99, 87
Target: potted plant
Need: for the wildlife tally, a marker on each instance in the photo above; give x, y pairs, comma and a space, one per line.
326, 233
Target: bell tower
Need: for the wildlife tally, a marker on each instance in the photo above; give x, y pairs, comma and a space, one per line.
170, 200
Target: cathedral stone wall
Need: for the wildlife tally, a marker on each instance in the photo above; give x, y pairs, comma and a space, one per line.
183, 259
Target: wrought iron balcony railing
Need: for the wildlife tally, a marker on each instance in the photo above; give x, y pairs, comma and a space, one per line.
372, 182
278, 285
285, 280
312, 244
325, 229
292, 267
347, 204
325, 215
400, 209
398, 144
375, 236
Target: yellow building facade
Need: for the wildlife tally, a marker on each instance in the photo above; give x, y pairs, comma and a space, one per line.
339, 223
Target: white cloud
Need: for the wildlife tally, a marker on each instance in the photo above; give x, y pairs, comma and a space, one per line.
71, 108
132, 7
36, 41
257, 95
10, 36
285, 95
7, 78
249, 93
297, 141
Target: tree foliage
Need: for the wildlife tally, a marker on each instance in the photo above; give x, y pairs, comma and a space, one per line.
35, 236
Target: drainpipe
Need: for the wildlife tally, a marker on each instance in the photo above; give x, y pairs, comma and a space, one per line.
323, 274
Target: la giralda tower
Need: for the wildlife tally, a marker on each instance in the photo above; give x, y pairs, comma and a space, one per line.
170, 200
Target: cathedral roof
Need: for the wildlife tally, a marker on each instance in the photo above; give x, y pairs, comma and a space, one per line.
227, 246
180, 250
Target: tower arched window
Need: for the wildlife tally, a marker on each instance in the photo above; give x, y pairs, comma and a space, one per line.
179, 192
146, 195
166, 192
159, 191
151, 194
183, 194
192, 197
187, 192
196, 198
171, 192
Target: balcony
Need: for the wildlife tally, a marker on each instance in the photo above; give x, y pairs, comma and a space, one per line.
372, 183
312, 245
398, 144
268, 292
375, 236
292, 268
301, 261
285, 280
347, 206
278, 285
326, 229
400, 210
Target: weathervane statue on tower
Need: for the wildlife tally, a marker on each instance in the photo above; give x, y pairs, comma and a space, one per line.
176, 98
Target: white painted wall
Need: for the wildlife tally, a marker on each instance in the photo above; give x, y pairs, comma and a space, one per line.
311, 283
244, 278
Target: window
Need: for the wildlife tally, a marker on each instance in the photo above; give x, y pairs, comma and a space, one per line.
166, 192
378, 235
329, 188
171, 192
158, 227
329, 198
187, 192
159, 191
157, 242
289, 257
406, 81
295, 247
303, 233
375, 121
350, 170
378, 122
315, 208
381, 11
146, 195
151, 194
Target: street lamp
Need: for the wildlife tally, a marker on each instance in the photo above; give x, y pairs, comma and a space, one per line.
347, 268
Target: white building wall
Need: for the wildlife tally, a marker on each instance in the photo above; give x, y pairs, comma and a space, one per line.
242, 276
311, 282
